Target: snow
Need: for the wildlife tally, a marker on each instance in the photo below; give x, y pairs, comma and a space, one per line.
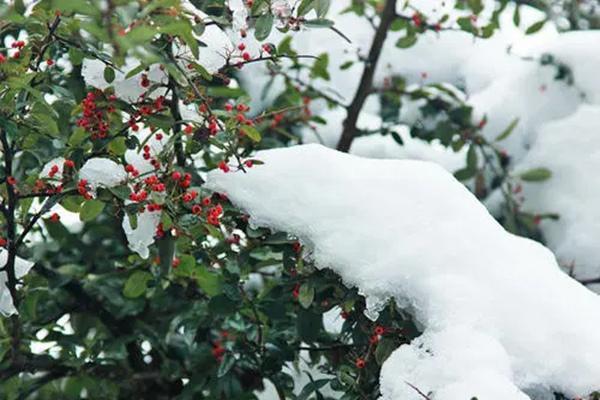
486, 300
142, 237
59, 162
570, 148
102, 172
22, 267
379, 146
136, 158
128, 89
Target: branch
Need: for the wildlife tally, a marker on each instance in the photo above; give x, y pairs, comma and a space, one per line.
174, 107
416, 389
47, 41
9, 267
366, 81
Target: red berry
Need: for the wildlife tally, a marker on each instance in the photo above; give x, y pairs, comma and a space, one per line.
379, 330
69, 164
2, 58
223, 166
3, 242
188, 130
11, 180
176, 175
50, 62
55, 217
241, 47
246, 56
360, 363
175, 263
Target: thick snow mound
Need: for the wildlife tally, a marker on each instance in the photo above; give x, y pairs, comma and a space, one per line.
487, 301
570, 148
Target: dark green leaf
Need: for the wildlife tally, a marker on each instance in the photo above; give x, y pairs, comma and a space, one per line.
136, 284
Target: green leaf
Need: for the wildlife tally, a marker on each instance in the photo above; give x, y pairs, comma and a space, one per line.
252, 133
509, 129
385, 347
475, 5
166, 250
121, 192
346, 65
406, 41
318, 23
72, 203
308, 325
225, 366
517, 16
136, 284
263, 27
472, 158
535, 27
109, 74
319, 68
91, 209
306, 295
78, 136
118, 146
135, 71
464, 174
211, 283
322, 7
305, 7
535, 175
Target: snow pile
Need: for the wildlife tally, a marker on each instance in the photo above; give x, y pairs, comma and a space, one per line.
485, 299
102, 172
570, 148
22, 266
141, 237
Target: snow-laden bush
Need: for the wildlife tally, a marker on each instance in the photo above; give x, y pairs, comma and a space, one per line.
165, 236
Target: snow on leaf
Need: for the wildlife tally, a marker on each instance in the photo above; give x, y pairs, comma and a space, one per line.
22, 266
102, 172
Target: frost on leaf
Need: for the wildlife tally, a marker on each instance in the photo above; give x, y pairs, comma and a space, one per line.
487, 301
22, 266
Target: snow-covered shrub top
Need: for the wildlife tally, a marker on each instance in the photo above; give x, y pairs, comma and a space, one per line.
497, 312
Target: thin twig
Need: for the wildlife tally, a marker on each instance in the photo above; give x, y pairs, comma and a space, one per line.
366, 81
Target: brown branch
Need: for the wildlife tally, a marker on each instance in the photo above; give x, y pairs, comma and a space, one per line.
366, 81
46, 43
